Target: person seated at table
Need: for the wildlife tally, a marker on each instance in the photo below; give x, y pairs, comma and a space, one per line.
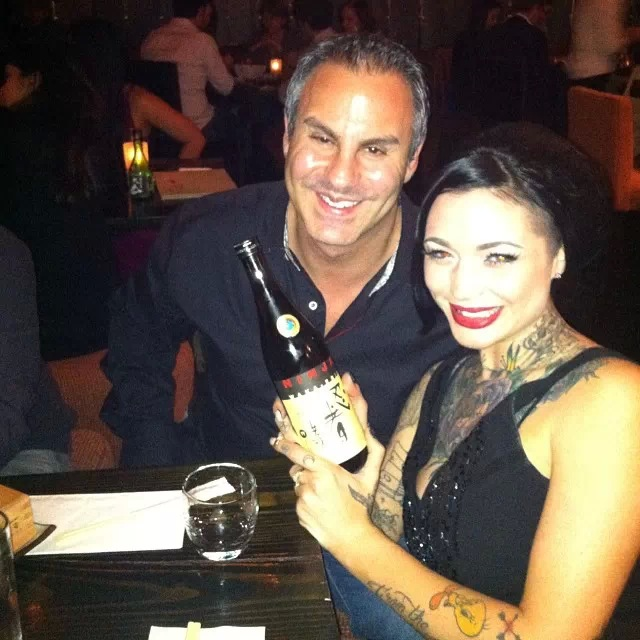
313, 23
100, 53
34, 421
356, 17
598, 36
512, 477
274, 18
483, 15
185, 41
53, 198
338, 234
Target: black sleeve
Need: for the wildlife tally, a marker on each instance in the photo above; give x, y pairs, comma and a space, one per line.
146, 329
19, 345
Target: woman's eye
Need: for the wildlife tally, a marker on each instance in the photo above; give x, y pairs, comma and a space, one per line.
500, 258
435, 254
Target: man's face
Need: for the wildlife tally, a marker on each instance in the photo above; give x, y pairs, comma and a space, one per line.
347, 158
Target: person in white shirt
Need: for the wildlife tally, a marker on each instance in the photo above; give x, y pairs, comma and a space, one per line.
183, 40
598, 36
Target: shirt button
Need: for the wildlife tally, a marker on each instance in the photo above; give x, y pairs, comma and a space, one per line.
313, 305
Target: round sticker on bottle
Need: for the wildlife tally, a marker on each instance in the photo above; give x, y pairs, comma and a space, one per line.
288, 325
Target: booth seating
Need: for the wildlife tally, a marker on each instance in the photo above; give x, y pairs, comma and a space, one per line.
84, 388
601, 124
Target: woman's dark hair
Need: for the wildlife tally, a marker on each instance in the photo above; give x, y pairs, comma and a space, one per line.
63, 107
565, 192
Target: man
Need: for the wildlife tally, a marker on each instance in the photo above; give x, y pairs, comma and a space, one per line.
183, 40
339, 239
514, 76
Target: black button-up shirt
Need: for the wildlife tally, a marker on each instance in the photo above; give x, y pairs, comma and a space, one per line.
194, 287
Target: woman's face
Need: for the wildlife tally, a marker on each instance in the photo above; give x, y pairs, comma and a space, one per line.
16, 87
350, 21
488, 267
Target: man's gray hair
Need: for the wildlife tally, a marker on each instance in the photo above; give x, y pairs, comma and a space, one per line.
364, 52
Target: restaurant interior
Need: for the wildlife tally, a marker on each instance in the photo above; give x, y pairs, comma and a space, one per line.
280, 584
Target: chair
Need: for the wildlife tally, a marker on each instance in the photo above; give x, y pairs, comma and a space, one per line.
601, 124
84, 388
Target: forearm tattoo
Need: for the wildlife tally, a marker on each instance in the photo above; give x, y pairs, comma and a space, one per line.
403, 605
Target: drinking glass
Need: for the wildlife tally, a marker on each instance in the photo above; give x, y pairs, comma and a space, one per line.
221, 509
9, 611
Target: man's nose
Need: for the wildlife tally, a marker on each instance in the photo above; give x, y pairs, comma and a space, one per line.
342, 170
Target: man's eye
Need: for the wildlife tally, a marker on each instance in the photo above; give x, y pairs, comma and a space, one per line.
375, 151
321, 139
500, 258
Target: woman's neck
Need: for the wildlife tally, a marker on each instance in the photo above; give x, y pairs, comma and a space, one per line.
550, 342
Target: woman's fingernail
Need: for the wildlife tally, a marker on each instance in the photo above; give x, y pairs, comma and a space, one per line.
272, 442
278, 416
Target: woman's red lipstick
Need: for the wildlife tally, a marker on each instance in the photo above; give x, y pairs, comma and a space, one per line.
474, 317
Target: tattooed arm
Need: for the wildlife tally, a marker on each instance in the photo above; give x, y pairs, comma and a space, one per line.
386, 512
586, 544
584, 549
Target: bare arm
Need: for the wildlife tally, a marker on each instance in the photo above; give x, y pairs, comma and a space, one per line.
386, 512
147, 110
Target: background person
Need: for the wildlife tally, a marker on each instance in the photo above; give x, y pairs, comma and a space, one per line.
500, 537
54, 199
101, 55
356, 17
34, 421
338, 235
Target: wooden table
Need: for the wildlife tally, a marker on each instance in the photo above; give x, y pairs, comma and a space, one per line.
152, 212
278, 582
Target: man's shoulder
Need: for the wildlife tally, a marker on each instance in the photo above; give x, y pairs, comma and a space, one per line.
231, 214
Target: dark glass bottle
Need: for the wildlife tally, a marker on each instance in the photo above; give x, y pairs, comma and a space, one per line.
140, 177
302, 370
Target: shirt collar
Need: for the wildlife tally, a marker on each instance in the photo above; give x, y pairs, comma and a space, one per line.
384, 276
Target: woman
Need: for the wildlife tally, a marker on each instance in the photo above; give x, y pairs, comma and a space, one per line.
274, 18
514, 469
52, 198
100, 55
356, 17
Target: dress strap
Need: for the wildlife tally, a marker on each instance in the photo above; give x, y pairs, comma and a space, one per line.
530, 393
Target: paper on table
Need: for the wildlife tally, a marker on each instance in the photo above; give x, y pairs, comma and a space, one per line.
178, 185
102, 522
213, 633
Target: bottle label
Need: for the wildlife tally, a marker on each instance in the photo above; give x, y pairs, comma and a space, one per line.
288, 326
322, 416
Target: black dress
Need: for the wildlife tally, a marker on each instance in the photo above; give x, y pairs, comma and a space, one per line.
476, 521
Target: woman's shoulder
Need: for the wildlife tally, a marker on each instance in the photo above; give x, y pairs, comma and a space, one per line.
603, 387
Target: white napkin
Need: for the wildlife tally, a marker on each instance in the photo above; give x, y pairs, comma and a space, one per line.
214, 633
103, 522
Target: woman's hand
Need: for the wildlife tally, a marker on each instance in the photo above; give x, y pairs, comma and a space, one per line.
333, 504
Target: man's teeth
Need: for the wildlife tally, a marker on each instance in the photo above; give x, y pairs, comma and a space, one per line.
477, 314
340, 204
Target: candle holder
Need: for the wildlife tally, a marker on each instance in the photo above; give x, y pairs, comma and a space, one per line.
127, 152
